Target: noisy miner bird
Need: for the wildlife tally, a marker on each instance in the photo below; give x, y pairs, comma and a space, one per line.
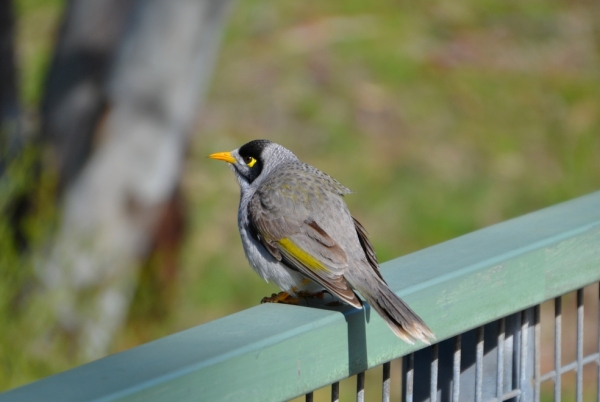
298, 233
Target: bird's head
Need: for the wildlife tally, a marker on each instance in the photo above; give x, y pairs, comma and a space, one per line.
255, 160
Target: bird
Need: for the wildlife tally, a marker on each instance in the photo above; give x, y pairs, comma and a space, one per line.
298, 233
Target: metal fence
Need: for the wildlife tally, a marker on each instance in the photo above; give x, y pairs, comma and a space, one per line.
502, 361
486, 296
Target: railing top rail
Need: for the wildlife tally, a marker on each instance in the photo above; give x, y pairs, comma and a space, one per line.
276, 352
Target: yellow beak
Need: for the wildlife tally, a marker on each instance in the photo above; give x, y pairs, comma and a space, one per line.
223, 156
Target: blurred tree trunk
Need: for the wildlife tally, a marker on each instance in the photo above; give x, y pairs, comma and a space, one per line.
10, 141
123, 95
75, 95
13, 198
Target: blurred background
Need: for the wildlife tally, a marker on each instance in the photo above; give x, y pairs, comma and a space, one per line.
444, 117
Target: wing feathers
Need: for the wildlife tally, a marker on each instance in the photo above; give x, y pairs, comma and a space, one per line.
302, 245
308, 265
318, 234
367, 247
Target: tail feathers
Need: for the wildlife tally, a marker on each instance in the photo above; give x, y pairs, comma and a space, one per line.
404, 322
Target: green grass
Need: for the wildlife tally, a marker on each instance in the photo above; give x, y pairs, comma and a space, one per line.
442, 116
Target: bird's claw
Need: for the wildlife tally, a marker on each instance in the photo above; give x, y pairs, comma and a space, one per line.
281, 297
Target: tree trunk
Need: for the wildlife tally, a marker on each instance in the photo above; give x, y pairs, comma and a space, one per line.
115, 197
10, 138
75, 94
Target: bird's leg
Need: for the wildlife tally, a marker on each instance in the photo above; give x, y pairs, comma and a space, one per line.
281, 297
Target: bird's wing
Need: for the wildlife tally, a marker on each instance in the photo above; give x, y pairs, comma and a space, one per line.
281, 220
367, 247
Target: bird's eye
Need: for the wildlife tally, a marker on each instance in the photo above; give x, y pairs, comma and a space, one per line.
250, 161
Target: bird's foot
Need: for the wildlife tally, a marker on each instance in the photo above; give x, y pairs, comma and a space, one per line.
281, 297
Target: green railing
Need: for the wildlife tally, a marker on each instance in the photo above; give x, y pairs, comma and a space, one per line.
277, 352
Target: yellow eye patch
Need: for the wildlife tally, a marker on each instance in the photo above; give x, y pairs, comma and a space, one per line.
250, 161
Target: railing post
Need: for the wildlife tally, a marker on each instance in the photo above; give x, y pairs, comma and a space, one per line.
517, 363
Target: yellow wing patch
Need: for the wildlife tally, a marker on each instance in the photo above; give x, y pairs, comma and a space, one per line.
302, 256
